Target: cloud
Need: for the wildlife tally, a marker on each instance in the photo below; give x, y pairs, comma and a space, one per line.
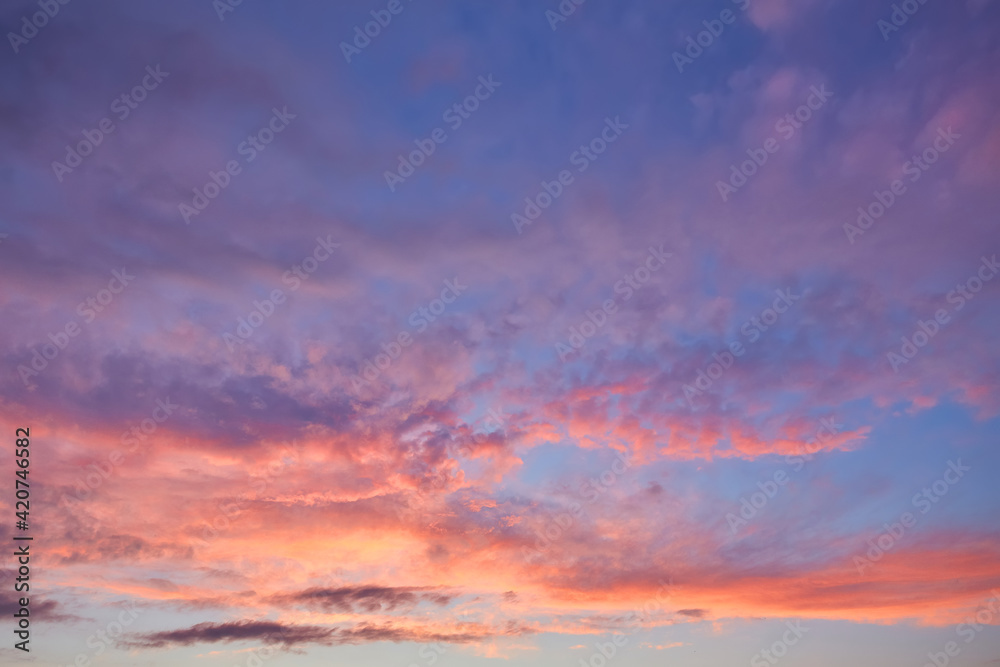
436, 514
367, 599
662, 647
295, 636
208, 633
45, 610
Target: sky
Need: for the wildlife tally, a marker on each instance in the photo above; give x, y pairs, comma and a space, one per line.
424, 332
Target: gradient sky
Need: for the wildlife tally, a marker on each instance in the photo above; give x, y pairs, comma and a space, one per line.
498, 490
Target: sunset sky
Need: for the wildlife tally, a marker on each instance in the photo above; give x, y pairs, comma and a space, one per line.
639, 333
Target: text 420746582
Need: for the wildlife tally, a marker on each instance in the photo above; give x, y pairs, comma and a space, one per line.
22, 506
